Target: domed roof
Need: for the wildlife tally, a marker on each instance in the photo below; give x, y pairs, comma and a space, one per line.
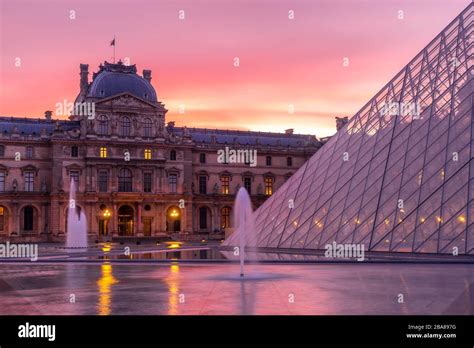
113, 79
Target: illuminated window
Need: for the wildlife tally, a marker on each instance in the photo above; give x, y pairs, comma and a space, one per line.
147, 226
147, 128
268, 186
225, 217
2, 219
103, 152
125, 180
148, 154
125, 126
225, 182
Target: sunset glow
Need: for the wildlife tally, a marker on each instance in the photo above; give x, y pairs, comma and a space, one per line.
283, 62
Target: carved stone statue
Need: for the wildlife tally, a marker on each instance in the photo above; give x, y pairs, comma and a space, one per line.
186, 132
113, 125
14, 185
44, 187
216, 188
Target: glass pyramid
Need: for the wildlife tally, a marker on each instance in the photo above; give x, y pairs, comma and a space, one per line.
399, 177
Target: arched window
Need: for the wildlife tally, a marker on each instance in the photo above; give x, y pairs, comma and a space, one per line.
125, 126
147, 128
173, 219
173, 155
225, 217
125, 221
125, 180
148, 154
102, 125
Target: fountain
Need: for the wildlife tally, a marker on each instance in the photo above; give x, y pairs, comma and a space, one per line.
243, 222
76, 222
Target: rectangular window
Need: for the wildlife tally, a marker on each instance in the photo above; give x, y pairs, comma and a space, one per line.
202, 158
103, 152
29, 152
269, 160
248, 185
147, 180
74, 151
2, 181
173, 182
74, 175
103, 181
29, 181
225, 182
289, 161
268, 186
203, 185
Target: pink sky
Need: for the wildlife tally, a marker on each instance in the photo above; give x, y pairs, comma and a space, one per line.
282, 61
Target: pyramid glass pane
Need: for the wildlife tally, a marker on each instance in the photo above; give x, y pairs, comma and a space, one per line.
399, 176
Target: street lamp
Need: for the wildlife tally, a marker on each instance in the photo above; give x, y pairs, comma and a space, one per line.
106, 215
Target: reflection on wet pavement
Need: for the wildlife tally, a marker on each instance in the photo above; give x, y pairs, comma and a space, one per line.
206, 288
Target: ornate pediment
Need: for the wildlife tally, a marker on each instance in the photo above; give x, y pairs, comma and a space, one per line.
29, 168
73, 167
126, 100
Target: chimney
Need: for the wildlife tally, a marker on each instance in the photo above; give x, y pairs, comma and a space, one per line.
147, 75
341, 122
84, 78
47, 115
289, 131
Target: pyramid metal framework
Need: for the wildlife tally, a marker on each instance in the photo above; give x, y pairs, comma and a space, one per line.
399, 177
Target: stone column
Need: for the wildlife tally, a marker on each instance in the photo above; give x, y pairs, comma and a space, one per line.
15, 219
114, 222
139, 228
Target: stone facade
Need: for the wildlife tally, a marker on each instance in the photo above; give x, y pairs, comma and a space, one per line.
137, 177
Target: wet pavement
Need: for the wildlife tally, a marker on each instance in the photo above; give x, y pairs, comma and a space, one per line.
205, 288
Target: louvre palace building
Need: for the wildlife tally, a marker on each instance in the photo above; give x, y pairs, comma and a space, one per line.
137, 175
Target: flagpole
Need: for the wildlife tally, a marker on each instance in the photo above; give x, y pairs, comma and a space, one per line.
114, 49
